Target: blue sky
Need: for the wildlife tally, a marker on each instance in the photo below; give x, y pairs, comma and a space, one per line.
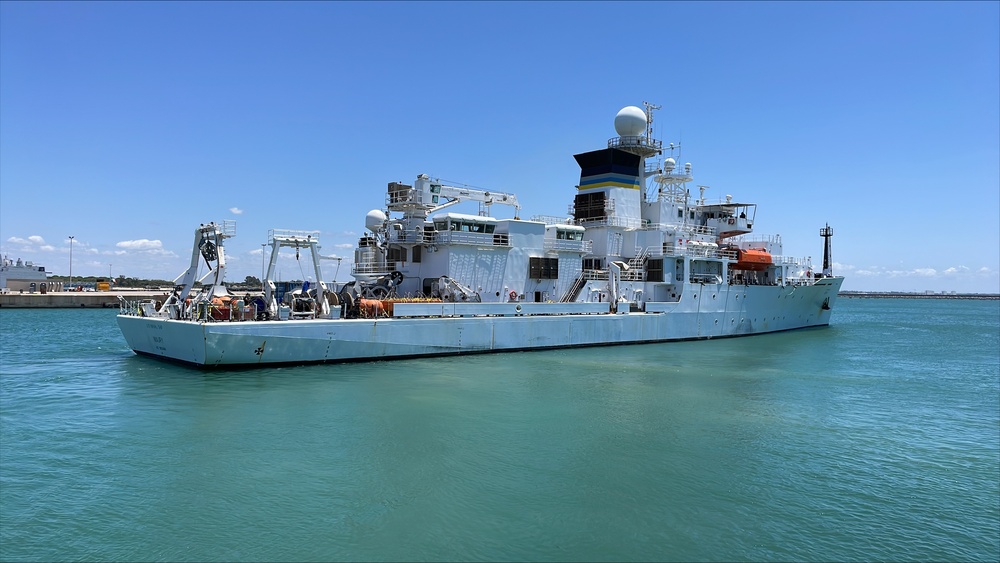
126, 125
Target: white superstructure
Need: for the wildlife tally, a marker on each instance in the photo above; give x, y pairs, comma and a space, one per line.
639, 259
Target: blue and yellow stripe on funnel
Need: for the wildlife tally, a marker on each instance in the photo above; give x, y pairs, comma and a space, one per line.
609, 180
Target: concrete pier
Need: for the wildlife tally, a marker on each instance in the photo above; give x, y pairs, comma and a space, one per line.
76, 299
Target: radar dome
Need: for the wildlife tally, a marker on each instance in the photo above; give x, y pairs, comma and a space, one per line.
630, 122
374, 220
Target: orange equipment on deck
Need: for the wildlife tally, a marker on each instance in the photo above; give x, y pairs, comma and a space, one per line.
752, 259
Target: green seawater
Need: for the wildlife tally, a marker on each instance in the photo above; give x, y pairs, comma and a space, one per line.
877, 438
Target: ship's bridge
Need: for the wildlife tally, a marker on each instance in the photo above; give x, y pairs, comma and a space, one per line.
567, 237
464, 223
457, 228
728, 218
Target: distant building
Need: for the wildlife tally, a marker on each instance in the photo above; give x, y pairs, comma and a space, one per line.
25, 276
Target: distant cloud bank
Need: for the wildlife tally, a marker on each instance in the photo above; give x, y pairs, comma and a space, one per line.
140, 244
954, 278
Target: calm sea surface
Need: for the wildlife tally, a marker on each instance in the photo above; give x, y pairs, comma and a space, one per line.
877, 438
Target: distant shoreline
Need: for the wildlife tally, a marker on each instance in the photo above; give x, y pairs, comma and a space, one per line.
915, 295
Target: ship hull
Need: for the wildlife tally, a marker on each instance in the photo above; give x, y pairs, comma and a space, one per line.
708, 311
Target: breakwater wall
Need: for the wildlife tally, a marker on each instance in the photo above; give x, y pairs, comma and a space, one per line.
906, 295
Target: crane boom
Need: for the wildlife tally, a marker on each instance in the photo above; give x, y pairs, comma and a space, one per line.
487, 198
428, 196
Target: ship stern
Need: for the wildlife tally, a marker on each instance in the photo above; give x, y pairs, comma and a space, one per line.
181, 341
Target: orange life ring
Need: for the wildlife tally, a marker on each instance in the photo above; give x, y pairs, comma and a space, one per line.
513, 294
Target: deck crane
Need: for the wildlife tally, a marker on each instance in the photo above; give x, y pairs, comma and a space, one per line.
428, 196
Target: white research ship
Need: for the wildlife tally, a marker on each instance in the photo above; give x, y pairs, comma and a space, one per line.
639, 260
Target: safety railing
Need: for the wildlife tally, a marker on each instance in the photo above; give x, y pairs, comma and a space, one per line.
373, 267
466, 238
584, 246
285, 235
633, 141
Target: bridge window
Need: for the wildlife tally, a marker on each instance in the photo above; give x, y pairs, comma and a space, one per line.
464, 226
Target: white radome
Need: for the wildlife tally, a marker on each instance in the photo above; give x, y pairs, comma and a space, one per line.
374, 220
630, 122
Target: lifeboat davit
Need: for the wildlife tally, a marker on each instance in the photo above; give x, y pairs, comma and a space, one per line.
752, 259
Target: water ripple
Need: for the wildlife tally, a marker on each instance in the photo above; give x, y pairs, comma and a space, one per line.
878, 438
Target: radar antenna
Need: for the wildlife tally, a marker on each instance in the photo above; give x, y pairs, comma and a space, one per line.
649, 118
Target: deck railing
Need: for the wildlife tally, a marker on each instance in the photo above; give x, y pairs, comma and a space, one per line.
584, 246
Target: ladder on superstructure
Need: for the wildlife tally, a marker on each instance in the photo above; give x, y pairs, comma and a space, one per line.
637, 265
574, 290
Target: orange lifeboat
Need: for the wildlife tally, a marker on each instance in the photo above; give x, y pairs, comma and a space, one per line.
752, 259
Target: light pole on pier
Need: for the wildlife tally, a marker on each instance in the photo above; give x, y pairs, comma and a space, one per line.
71, 262
263, 245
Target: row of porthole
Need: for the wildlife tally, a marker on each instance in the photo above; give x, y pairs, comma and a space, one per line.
732, 321
695, 296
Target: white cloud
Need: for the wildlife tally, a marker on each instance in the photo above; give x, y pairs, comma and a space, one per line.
140, 244
32, 240
47, 248
952, 278
954, 270
144, 246
879, 271
236, 211
343, 246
